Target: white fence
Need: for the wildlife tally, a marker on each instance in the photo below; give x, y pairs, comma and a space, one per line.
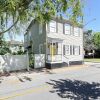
39, 60
14, 62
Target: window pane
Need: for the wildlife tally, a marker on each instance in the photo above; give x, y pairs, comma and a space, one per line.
76, 50
52, 26
66, 50
41, 48
40, 28
67, 29
52, 29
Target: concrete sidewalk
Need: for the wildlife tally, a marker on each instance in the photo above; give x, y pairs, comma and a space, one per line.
20, 77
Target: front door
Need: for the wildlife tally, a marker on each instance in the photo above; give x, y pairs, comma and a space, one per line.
53, 49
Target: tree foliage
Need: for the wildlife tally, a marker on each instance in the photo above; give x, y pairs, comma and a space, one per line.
96, 40
21, 11
4, 47
88, 40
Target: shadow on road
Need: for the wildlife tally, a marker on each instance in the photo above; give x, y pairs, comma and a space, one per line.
23, 78
27, 78
1, 80
75, 89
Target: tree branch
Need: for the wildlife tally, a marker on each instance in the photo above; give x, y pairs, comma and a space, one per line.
10, 27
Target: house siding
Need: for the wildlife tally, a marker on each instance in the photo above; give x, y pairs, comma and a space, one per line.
69, 39
59, 35
37, 38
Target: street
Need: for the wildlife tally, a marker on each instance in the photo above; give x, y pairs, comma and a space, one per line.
74, 83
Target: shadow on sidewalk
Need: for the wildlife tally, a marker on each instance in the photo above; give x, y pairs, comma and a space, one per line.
23, 78
75, 89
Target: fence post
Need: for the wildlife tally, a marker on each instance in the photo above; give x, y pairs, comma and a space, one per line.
27, 62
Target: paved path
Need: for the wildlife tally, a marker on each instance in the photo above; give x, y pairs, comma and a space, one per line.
69, 83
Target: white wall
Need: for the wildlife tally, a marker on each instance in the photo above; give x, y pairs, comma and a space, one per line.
14, 62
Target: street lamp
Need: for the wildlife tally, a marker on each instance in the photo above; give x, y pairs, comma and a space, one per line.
89, 22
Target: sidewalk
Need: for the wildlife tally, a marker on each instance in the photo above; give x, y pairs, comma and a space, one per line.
20, 76
19, 82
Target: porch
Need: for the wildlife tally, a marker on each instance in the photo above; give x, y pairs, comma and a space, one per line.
54, 51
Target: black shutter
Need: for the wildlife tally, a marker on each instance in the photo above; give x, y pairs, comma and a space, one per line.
70, 49
73, 50
79, 50
63, 49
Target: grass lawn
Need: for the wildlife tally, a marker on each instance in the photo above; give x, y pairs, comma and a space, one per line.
92, 59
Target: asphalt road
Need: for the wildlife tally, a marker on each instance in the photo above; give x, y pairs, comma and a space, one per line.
81, 83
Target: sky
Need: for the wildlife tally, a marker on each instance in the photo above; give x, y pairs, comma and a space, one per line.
91, 11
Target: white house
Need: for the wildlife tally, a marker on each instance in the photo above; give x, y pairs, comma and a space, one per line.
59, 40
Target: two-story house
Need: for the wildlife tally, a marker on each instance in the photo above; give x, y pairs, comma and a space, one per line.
59, 40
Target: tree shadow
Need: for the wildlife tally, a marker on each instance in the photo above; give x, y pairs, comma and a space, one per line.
27, 78
1, 80
75, 89
23, 78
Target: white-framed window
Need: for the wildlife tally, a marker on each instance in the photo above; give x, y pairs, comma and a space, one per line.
40, 28
52, 26
76, 31
76, 50
41, 48
60, 28
67, 29
25, 37
30, 36
66, 49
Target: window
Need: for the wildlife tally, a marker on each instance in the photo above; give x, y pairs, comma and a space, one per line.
76, 50
67, 29
29, 36
76, 31
25, 37
60, 28
52, 26
66, 50
40, 28
41, 48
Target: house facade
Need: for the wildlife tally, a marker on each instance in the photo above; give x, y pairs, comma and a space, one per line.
59, 40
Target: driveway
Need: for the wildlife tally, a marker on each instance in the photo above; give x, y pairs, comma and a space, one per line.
68, 83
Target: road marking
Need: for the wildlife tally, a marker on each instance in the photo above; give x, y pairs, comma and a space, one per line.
42, 88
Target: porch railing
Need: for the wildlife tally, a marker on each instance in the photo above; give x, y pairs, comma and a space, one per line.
54, 58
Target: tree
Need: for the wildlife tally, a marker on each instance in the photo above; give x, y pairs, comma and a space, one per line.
96, 40
88, 40
19, 12
4, 47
